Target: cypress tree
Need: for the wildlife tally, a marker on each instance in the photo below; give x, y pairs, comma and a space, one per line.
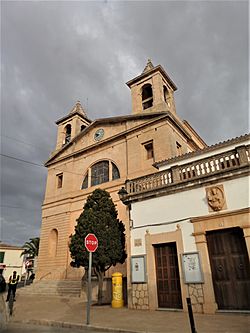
99, 217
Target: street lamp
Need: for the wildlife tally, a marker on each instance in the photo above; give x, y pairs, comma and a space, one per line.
122, 193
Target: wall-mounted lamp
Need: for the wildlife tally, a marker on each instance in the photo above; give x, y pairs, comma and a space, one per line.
122, 193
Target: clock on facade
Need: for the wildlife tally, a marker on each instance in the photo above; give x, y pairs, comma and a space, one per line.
99, 134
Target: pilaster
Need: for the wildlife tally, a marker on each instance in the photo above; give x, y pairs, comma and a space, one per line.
246, 231
209, 305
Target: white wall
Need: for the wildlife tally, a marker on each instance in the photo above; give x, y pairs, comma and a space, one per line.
186, 228
162, 214
13, 262
237, 193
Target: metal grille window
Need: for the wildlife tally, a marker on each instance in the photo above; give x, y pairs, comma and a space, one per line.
100, 173
115, 172
85, 181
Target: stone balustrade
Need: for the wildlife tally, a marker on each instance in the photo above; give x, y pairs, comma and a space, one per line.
152, 181
226, 161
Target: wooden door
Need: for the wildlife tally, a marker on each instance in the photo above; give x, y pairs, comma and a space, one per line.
230, 268
167, 276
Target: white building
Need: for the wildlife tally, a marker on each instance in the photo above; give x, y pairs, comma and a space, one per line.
11, 260
190, 231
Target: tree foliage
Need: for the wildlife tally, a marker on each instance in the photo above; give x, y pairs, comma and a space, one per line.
99, 217
31, 248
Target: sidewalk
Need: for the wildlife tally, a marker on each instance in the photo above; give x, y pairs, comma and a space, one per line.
71, 312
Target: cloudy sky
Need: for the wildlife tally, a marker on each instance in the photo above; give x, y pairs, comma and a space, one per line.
55, 53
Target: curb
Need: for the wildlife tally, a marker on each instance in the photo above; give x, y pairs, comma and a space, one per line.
4, 308
75, 325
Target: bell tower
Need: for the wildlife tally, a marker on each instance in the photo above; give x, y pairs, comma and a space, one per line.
152, 91
71, 125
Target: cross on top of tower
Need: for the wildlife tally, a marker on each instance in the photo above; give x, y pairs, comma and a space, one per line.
78, 108
148, 66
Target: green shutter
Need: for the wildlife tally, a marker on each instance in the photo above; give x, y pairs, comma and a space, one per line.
2, 257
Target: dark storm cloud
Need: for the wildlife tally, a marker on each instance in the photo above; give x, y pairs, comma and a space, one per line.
54, 53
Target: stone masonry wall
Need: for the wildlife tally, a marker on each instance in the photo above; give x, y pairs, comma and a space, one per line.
140, 296
197, 298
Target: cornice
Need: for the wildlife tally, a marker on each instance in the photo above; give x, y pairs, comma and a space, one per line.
71, 115
157, 68
202, 151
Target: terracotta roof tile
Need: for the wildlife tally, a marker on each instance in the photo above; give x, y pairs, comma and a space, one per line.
204, 150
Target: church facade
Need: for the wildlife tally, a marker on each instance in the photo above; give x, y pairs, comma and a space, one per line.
187, 223
105, 153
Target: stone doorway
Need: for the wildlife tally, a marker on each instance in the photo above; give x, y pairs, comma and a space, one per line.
230, 268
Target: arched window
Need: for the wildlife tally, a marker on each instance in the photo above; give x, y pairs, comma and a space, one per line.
67, 131
85, 181
147, 96
53, 241
83, 127
165, 92
100, 172
166, 95
115, 172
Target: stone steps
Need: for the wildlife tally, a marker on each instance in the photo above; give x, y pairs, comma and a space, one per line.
53, 288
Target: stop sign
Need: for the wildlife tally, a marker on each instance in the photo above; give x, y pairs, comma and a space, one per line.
91, 242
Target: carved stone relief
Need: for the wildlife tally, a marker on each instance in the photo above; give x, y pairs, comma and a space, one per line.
216, 198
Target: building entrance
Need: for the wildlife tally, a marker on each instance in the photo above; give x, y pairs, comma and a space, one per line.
167, 276
230, 268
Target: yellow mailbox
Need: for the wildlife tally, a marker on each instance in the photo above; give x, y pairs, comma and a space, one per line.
117, 298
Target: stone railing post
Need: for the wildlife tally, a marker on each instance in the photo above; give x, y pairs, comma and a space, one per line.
242, 152
175, 171
127, 186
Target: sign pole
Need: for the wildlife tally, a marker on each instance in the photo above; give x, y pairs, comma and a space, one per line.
89, 288
190, 314
91, 244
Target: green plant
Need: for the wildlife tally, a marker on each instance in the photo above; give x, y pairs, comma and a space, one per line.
99, 217
31, 248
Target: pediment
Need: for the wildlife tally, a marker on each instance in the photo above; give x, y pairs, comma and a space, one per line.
102, 131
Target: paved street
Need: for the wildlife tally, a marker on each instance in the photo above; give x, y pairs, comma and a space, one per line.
54, 313
24, 328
